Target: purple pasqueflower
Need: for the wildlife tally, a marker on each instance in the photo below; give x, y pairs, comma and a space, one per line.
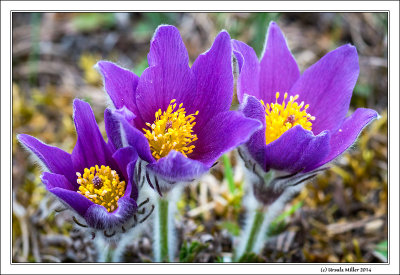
96, 180
303, 116
179, 121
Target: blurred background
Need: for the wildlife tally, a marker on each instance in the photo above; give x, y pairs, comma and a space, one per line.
339, 217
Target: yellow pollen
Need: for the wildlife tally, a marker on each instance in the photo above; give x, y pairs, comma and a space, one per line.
102, 186
172, 130
280, 117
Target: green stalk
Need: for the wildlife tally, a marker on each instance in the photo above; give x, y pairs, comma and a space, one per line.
110, 249
164, 242
105, 250
255, 230
163, 229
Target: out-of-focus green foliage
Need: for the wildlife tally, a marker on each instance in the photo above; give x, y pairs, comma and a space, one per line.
279, 223
94, 21
251, 258
382, 249
188, 253
228, 173
144, 29
232, 227
253, 28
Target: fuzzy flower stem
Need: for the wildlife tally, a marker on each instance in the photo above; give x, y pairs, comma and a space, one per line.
105, 250
163, 228
164, 244
254, 230
257, 217
260, 217
110, 253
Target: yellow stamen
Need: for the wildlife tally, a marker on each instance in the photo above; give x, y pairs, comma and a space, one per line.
100, 185
172, 130
280, 117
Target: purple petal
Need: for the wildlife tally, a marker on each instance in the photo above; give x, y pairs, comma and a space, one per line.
168, 77
278, 68
348, 132
90, 148
113, 126
56, 160
133, 191
167, 47
297, 149
214, 79
120, 84
327, 87
249, 70
134, 137
52, 180
252, 108
123, 157
176, 167
222, 133
98, 217
59, 186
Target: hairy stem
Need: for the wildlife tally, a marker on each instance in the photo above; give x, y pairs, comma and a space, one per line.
258, 218
110, 253
164, 243
163, 229
105, 250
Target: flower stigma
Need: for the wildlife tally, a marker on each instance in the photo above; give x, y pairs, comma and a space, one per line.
102, 186
280, 117
171, 130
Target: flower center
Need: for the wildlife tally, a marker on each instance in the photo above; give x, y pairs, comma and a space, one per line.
102, 186
172, 130
280, 117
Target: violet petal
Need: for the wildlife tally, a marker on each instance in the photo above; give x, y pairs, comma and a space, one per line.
134, 137
133, 192
278, 68
296, 150
224, 132
123, 157
98, 217
168, 77
252, 108
53, 180
113, 126
57, 185
176, 167
249, 70
90, 148
214, 80
120, 84
56, 160
327, 87
347, 133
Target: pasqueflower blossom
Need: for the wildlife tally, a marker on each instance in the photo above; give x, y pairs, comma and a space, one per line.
303, 116
96, 180
178, 116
